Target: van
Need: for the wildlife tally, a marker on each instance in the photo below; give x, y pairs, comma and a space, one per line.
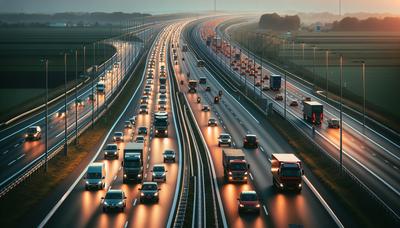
95, 176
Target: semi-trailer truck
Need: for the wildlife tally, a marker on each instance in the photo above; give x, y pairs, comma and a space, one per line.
132, 164
313, 112
275, 82
235, 165
161, 124
287, 172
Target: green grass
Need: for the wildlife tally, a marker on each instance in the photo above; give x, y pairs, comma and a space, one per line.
380, 51
29, 194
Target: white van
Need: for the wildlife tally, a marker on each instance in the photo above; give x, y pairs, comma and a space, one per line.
95, 176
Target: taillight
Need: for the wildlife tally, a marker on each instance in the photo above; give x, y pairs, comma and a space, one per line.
313, 117
321, 116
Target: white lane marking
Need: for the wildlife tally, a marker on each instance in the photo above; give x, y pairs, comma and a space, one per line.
145, 175
5, 152
12, 162
262, 149
126, 224
251, 176
134, 202
115, 177
265, 210
16, 145
323, 202
21, 156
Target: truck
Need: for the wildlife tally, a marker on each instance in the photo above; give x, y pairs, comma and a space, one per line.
101, 87
184, 48
237, 56
235, 165
161, 124
132, 164
287, 172
313, 112
208, 41
163, 80
275, 82
192, 86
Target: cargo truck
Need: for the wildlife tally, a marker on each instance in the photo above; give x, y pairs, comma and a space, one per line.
235, 165
313, 112
287, 172
132, 164
163, 80
161, 124
101, 87
275, 82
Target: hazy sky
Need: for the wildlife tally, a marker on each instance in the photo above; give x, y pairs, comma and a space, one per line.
166, 6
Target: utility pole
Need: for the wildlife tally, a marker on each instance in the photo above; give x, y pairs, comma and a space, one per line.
76, 96
285, 96
65, 107
314, 67
341, 110
327, 69
93, 69
46, 141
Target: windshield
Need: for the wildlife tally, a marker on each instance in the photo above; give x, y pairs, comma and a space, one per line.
32, 130
93, 175
169, 152
238, 166
290, 172
132, 163
251, 138
248, 197
225, 136
158, 169
118, 134
149, 187
111, 147
113, 195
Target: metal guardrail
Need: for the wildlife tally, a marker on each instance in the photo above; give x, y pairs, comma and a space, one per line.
36, 164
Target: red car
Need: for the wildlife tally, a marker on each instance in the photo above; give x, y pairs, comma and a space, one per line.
248, 202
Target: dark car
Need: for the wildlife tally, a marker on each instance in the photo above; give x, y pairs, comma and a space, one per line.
142, 130
248, 202
169, 155
33, 133
250, 141
212, 122
114, 200
111, 151
149, 192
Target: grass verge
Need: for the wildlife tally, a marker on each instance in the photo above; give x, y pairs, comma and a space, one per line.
19, 202
342, 187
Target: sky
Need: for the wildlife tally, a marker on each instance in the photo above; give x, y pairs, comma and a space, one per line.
172, 6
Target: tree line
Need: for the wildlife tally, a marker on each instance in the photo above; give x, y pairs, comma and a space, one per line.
369, 24
275, 22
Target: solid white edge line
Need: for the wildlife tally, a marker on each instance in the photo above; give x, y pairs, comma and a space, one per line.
265, 210
66, 194
323, 202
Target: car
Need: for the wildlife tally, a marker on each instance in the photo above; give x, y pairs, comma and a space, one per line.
144, 99
279, 97
150, 75
212, 122
294, 103
128, 124
159, 173
143, 109
148, 86
149, 81
162, 89
95, 176
265, 88
248, 202
149, 192
162, 102
250, 141
118, 136
60, 114
205, 108
162, 96
140, 139
333, 123
147, 91
142, 130
133, 120
111, 151
114, 199
258, 84
79, 102
33, 133
169, 155
208, 89
224, 139
162, 107
216, 99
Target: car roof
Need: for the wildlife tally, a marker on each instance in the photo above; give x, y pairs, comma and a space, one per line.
112, 144
249, 192
115, 191
149, 183
251, 135
118, 132
143, 127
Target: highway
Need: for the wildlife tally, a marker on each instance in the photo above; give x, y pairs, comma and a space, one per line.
278, 209
371, 157
17, 155
85, 206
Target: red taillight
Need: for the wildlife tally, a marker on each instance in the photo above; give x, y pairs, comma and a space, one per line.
321, 116
313, 117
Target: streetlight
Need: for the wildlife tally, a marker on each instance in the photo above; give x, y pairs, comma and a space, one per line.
76, 96
314, 47
341, 110
302, 47
284, 74
46, 118
65, 106
327, 69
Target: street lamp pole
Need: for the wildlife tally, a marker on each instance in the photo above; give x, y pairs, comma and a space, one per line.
65, 107
285, 96
76, 96
327, 69
46, 141
314, 67
341, 110
363, 79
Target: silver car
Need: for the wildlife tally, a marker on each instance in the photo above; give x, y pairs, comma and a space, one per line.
114, 200
224, 139
159, 173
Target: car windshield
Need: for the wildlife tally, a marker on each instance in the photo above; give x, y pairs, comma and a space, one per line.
238, 166
142, 129
93, 175
291, 172
111, 147
248, 197
113, 195
149, 187
225, 136
212, 120
251, 138
132, 163
158, 169
169, 152
118, 134
32, 130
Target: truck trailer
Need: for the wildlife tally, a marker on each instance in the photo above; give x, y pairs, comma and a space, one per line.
132, 164
235, 165
161, 124
287, 172
275, 82
313, 112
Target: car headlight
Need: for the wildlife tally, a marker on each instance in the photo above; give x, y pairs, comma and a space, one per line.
300, 185
105, 203
120, 203
139, 175
229, 140
115, 138
87, 182
99, 182
142, 194
124, 175
258, 205
106, 153
156, 194
245, 173
154, 174
281, 185
241, 205
230, 173
26, 135
163, 174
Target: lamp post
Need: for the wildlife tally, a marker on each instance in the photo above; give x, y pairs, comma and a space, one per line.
314, 67
65, 106
76, 96
46, 143
327, 69
284, 73
363, 79
341, 110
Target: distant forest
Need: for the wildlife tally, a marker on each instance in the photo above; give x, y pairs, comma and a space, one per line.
369, 24
276, 22
69, 18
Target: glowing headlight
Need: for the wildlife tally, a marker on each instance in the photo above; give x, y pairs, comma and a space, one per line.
230, 173
139, 175
241, 205
156, 194
281, 185
258, 205
105, 203
87, 182
99, 182
120, 203
163, 174
300, 185
124, 175
142, 194
245, 173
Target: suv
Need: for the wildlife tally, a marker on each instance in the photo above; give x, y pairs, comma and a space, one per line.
111, 150
143, 109
333, 123
212, 122
159, 173
33, 133
149, 192
114, 199
142, 130
248, 202
118, 136
224, 139
169, 155
144, 99
205, 108
250, 141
